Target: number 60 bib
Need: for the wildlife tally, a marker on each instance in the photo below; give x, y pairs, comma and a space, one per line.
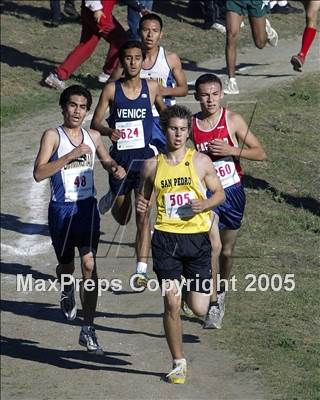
226, 171
177, 204
132, 135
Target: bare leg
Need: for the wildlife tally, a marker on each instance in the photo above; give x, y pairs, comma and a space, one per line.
172, 321
216, 249
122, 209
258, 29
228, 239
88, 298
233, 22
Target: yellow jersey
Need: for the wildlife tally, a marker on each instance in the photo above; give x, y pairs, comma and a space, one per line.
175, 186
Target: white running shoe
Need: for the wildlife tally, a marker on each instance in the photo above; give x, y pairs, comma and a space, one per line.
105, 203
68, 303
231, 86
88, 339
54, 82
271, 34
219, 27
103, 77
221, 300
213, 318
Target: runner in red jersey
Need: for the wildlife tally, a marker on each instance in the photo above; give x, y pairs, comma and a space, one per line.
217, 132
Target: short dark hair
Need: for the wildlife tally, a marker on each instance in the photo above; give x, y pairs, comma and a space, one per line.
75, 90
150, 17
131, 44
207, 78
176, 111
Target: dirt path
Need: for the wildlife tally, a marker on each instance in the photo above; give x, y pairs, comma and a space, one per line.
42, 359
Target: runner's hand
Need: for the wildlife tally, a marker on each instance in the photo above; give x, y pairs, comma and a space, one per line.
218, 147
97, 15
119, 172
197, 205
115, 135
142, 204
80, 151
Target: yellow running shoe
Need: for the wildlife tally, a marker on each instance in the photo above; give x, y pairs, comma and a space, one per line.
186, 310
179, 372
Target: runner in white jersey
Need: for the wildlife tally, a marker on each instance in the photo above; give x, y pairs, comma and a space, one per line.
162, 66
66, 156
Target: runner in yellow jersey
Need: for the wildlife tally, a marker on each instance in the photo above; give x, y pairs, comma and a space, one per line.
180, 243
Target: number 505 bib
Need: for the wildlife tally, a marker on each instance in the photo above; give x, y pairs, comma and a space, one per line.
132, 135
177, 204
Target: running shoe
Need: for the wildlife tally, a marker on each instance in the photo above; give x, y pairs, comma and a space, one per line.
221, 301
88, 339
105, 203
54, 82
68, 303
231, 87
219, 27
140, 280
297, 62
287, 9
178, 373
271, 34
213, 318
186, 310
103, 77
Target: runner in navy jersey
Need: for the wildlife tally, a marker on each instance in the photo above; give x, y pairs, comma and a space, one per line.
130, 102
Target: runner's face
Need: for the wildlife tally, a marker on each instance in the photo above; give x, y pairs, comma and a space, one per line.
177, 133
209, 95
75, 111
132, 62
151, 33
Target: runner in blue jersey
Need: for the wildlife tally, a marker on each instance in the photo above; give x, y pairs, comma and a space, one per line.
162, 66
66, 156
130, 102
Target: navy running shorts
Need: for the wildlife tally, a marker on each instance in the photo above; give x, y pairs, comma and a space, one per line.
73, 225
231, 211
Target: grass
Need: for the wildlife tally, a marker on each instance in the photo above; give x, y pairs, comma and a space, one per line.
279, 331
30, 50
276, 333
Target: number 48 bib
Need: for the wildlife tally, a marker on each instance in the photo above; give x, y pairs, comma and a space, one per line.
78, 184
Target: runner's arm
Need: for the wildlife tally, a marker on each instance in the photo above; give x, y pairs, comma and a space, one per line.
43, 168
107, 162
204, 167
181, 87
106, 97
154, 89
147, 177
251, 148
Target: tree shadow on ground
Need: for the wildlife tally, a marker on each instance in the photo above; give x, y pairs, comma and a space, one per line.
22, 269
21, 10
175, 9
50, 312
12, 223
307, 203
17, 58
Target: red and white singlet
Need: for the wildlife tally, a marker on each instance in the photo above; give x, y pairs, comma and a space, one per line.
227, 167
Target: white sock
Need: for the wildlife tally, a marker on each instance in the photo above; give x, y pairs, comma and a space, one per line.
282, 3
272, 4
141, 267
233, 79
